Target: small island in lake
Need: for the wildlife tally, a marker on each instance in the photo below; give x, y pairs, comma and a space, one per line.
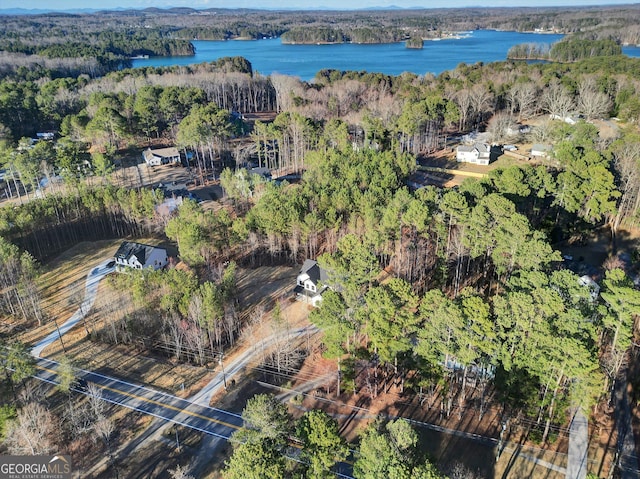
415, 43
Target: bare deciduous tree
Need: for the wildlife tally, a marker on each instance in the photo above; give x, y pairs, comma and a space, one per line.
523, 97
35, 431
180, 472
103, 429
501, 127
460, 471
481, 100
285, 86
556, 100
96, 404
32, 391
626, 156
79, 418
463, 100
541, 133
175, 333
591, 102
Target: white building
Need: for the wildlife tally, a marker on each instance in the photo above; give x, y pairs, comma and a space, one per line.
540, 151
478, 153
161, 156
309, 284
569, 119
140, 256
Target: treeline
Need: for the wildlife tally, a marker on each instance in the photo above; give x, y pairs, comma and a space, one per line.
386, 449
529, 51
19, 66
568, 50
111, 49
69, 104
577, 49
243, 30
19, 294
47, 226
313, 35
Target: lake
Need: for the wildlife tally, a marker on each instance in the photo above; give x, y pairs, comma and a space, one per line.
271, 56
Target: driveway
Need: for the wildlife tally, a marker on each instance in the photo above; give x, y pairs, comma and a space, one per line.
90, 290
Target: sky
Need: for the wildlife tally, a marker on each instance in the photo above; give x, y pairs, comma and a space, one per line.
281, 4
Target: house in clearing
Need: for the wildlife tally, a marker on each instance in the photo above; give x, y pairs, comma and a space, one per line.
478, 153
540, 151
310, 283
161, 156
140, 256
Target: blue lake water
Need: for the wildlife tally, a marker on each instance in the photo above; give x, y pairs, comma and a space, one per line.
304, 61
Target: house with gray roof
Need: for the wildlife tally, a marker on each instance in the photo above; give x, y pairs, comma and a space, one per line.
161, 156
310, 283
140, 256
478, 153
539, 150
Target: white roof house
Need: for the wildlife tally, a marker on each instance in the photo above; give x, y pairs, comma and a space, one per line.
140, 256
161, 156
540, 150
478, 153
309, 284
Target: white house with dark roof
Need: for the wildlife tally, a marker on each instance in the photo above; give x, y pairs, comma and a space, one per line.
478, 153
161, 156
310, 283
140, 256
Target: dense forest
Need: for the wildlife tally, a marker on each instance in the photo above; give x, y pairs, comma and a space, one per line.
355, 136
570, 49
479, 308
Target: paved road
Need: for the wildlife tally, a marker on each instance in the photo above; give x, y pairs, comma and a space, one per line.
578, 446
240, 362
212, 421
91, 289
